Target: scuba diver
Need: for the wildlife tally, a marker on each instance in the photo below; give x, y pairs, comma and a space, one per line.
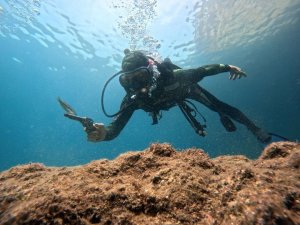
153, 87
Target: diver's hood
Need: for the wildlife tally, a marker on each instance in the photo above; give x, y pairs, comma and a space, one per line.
138, 72
133, 60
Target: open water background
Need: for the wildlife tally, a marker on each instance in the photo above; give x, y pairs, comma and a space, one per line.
69, 49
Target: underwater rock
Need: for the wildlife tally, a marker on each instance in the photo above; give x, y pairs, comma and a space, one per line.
158, 186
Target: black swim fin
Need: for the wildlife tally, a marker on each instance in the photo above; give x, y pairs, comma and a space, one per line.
227, 123
277, 137
268, 138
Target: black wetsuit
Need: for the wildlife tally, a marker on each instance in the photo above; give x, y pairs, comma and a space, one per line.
184, 85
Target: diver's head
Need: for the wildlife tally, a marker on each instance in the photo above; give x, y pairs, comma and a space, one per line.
133, 60
137, 74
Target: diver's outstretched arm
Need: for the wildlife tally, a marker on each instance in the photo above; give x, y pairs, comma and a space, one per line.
213, 69
197, 74
107, 133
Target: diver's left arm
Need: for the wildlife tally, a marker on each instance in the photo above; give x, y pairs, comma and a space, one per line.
213, 69
197, 74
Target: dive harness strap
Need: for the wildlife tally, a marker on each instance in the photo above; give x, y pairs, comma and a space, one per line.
187, 112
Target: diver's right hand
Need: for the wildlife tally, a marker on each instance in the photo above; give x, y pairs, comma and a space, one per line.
98, 134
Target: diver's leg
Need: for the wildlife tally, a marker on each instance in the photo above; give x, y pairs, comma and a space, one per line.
201, 95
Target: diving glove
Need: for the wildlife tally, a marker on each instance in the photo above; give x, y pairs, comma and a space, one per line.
98, 134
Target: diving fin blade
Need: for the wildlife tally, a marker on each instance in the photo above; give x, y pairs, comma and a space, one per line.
277, 138
66, 107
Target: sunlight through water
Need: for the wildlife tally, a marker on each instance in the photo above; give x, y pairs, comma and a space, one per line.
86, 29
52, 48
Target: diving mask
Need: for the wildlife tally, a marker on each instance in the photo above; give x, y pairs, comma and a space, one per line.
136, 79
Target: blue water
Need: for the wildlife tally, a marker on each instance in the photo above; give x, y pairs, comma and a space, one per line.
50, 49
